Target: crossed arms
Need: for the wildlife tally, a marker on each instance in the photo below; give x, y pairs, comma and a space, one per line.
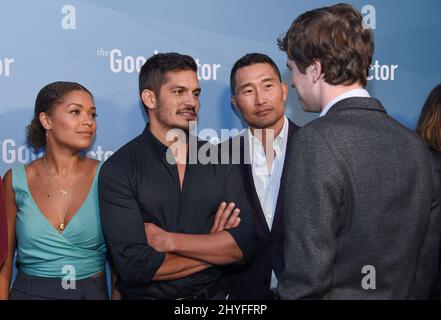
186, 254
145, 252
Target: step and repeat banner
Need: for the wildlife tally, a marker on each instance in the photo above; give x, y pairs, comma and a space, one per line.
102, 44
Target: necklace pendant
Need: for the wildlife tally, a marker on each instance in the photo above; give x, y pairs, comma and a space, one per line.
60, 227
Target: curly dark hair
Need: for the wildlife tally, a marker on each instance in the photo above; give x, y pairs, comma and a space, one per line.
48, 97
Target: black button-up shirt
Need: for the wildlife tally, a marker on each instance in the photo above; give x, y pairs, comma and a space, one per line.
136, 185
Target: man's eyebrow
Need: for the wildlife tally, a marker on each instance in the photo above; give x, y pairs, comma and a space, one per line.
244, 85
263, 80
270, 79
178, 87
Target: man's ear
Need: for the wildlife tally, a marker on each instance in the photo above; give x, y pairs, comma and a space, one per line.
233, 101
149, 99
235, 106
45, 121
316, 70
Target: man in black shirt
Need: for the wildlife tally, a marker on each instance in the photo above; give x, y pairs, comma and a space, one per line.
166, 219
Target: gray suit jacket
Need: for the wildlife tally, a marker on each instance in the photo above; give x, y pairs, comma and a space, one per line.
359, 192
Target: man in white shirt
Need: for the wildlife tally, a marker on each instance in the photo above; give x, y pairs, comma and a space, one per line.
259, 95
359, 185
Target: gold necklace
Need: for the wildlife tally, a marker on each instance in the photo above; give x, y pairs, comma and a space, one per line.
65, 192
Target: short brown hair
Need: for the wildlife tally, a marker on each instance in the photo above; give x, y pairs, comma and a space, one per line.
48, 97
429, 122
336, 37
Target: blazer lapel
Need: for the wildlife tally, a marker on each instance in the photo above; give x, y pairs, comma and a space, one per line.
292, 128
249, 181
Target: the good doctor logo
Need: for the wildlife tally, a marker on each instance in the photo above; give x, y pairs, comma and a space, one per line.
11, 152
121, 63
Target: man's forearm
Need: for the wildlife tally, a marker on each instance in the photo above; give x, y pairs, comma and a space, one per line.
215, 248
176, 266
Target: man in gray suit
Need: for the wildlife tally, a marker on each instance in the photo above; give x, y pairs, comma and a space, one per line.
360, 187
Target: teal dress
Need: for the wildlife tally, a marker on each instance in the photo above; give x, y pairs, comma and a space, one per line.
42, 251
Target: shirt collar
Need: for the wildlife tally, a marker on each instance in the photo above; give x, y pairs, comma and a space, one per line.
154, 142
348, 94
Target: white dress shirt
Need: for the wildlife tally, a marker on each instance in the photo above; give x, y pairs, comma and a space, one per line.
268, 183
348, 94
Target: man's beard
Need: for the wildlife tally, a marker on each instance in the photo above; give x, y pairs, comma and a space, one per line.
186, 125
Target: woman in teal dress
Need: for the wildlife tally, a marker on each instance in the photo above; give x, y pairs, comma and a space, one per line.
61, 253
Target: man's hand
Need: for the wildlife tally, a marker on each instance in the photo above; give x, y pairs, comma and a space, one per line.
226, 217
158, 238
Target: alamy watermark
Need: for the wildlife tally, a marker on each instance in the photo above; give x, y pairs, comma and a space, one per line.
369, 281
68, 282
